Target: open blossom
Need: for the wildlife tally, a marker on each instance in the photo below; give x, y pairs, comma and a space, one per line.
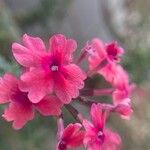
100, 52
97, 137
20, 109
70, 137
103, 58
50, 71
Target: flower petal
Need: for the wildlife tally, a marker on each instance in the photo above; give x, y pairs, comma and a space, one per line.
97, 116
50, 105
70, 130
31, 54
7, 84
33, 43
98, 53
18, 113
71, 46
37, 83
62, 48
108, 72
57, 47
64, 89
112, 140
24, 56
124, 110
68, 82
74, 75
77, 139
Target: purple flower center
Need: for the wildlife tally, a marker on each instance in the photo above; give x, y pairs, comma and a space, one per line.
62, 145
18, 96
112, 50
100, 136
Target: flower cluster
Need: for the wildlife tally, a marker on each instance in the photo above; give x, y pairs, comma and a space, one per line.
50, 79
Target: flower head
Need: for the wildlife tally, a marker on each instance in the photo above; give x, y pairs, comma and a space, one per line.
97, 137
70, 137
100, 52
21, 109
50, 71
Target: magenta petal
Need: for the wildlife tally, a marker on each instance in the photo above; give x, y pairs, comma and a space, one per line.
71, 46
31, 54
50, 105
37, 83
72, 135
7, 84
57, 44
98, 53
74, 75
68, 82
112, 141
64, 89
77, 139
20, 114
121, 80
33, 43
88, 125
24, 56
119, 95
124, 110
98, 118
57, 47
62, 48
71, 129
108, 72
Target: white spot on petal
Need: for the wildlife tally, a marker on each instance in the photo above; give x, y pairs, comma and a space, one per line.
54, 68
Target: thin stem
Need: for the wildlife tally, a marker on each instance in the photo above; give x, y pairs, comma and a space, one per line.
88, 103
85, 101
96, 92
74, 112
81, 57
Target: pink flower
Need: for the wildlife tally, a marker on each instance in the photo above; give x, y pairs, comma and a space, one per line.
20, 109
103, 58
70, 137
100, 52
97, 137
50, 71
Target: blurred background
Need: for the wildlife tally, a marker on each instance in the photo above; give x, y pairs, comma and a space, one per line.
127, 21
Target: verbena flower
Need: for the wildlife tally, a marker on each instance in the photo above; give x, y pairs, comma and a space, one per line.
21, 109
70, 137
50, 71
97, 137
103, 57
